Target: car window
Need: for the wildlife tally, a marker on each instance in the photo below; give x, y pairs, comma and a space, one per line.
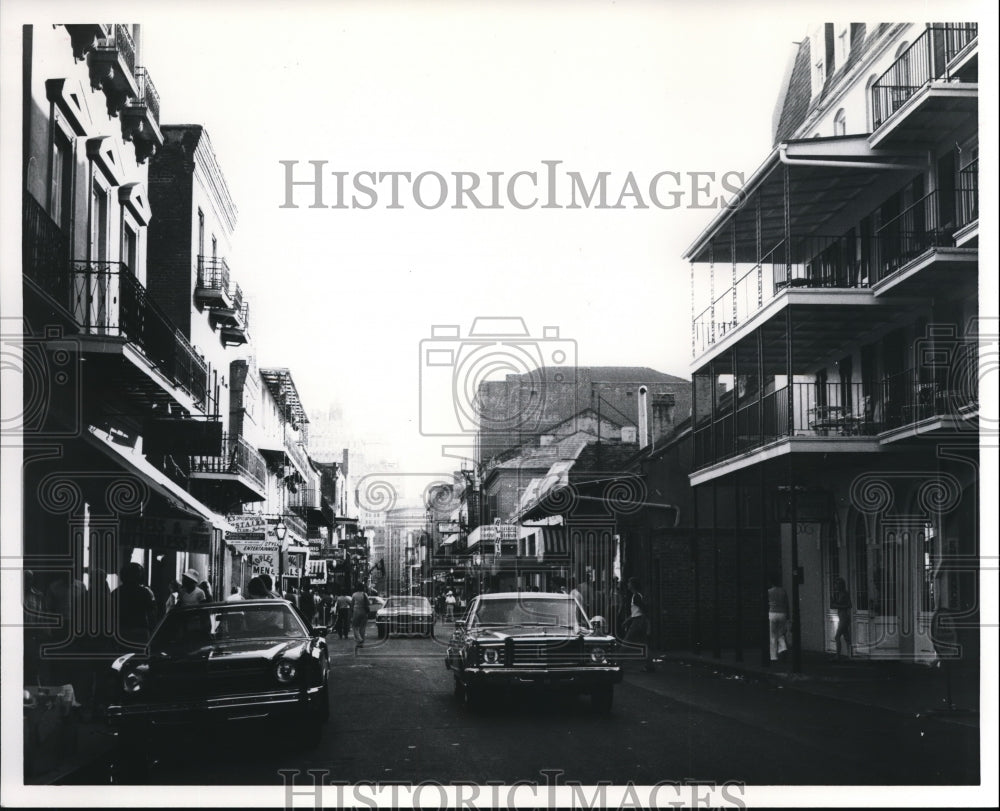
200, 627
541, 612
419, 603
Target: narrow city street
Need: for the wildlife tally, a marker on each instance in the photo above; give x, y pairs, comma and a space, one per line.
394, 719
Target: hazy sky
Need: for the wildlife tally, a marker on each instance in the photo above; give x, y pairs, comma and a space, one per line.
345, 296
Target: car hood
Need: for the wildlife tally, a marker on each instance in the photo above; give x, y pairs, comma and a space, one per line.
533, 632
386, 612
232, 650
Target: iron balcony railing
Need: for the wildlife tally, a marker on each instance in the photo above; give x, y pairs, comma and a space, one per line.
120, 40
915, 395
213, 274
909, 234
298, 455
927, 59
45, 251
105, 298
968, 194
147, 93
238, 457
296, 524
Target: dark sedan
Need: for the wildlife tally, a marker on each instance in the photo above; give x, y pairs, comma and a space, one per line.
532, 640
405, 615
227, 662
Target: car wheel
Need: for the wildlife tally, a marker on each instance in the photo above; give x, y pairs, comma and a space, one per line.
459, 690
383, 631
473, 698
602, 698
323, 704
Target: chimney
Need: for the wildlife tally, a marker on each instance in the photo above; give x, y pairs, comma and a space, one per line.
643, 417
662, 409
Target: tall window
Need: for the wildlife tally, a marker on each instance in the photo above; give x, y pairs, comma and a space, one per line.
201, 232
99, 224
61, 175
130, 248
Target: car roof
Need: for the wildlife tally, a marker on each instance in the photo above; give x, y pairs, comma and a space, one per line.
232, 604
525, 595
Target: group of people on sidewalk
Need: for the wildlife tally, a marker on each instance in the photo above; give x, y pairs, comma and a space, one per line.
780, 623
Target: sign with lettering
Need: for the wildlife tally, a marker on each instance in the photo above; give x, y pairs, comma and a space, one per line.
171, 534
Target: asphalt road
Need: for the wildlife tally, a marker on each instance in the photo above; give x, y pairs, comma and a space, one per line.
394, 718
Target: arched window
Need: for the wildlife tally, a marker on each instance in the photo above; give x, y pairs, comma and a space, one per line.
870, 98
840, 122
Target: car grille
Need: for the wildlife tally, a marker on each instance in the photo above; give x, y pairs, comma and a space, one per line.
195, 680
550, 653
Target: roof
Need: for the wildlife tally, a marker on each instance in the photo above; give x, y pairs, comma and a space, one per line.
525, 595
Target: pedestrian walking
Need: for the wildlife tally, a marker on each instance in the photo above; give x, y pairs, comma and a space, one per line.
842, 602
450, 602
342, 610
257, 590
637, 624
359, 618
777, 618
269, 585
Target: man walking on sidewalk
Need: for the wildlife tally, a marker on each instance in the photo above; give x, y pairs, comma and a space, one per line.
359, 618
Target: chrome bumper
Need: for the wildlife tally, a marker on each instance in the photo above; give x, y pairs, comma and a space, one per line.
542, 677
233, 707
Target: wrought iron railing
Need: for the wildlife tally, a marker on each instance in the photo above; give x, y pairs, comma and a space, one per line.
298, 455
815, 410
911, 233
213, 273
927, 59
105, 298
296, 524
915, 395
120, 40
238, 457
968, 194
45, 251
147, 93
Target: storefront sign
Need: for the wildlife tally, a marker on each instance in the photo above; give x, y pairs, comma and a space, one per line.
171, 534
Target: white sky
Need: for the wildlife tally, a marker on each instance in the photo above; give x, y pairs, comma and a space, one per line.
344, 297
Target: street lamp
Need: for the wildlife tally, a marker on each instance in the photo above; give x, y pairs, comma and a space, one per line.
280, 530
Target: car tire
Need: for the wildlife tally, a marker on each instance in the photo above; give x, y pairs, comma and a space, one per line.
459, 690
601, 699
473, 698
383, 631
323, 704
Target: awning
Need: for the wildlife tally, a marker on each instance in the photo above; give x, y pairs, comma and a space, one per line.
825, 175
135, 463
450, 539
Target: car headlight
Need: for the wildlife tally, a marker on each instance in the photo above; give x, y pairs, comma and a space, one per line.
491, 656
132, 681
285, 671
598, 655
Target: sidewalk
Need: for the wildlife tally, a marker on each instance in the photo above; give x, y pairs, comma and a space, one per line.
909, 689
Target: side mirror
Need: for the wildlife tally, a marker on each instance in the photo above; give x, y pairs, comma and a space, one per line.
599, 623
459, 624
321, 630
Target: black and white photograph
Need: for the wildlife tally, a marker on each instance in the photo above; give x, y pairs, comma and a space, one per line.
431, 404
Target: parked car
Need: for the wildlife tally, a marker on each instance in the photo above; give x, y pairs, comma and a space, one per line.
251, 659
532, 640
405, 615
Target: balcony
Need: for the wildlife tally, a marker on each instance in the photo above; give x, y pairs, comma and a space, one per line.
822, 264
237, 332
932, 81
134, 349
967, 233
141, 118
916, 253
931, 397
239, 468
112, 68
85, 37
815, 417
213, 287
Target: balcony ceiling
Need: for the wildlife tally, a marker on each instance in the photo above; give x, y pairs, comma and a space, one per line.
825, 177
818, 330
935, 109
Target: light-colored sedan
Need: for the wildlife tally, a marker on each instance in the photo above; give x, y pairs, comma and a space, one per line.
405, 615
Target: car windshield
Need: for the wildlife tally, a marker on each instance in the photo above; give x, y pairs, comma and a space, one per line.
420, 603
207, 625
554, 612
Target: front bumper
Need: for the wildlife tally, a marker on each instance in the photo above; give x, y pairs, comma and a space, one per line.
264, 705
582, 678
